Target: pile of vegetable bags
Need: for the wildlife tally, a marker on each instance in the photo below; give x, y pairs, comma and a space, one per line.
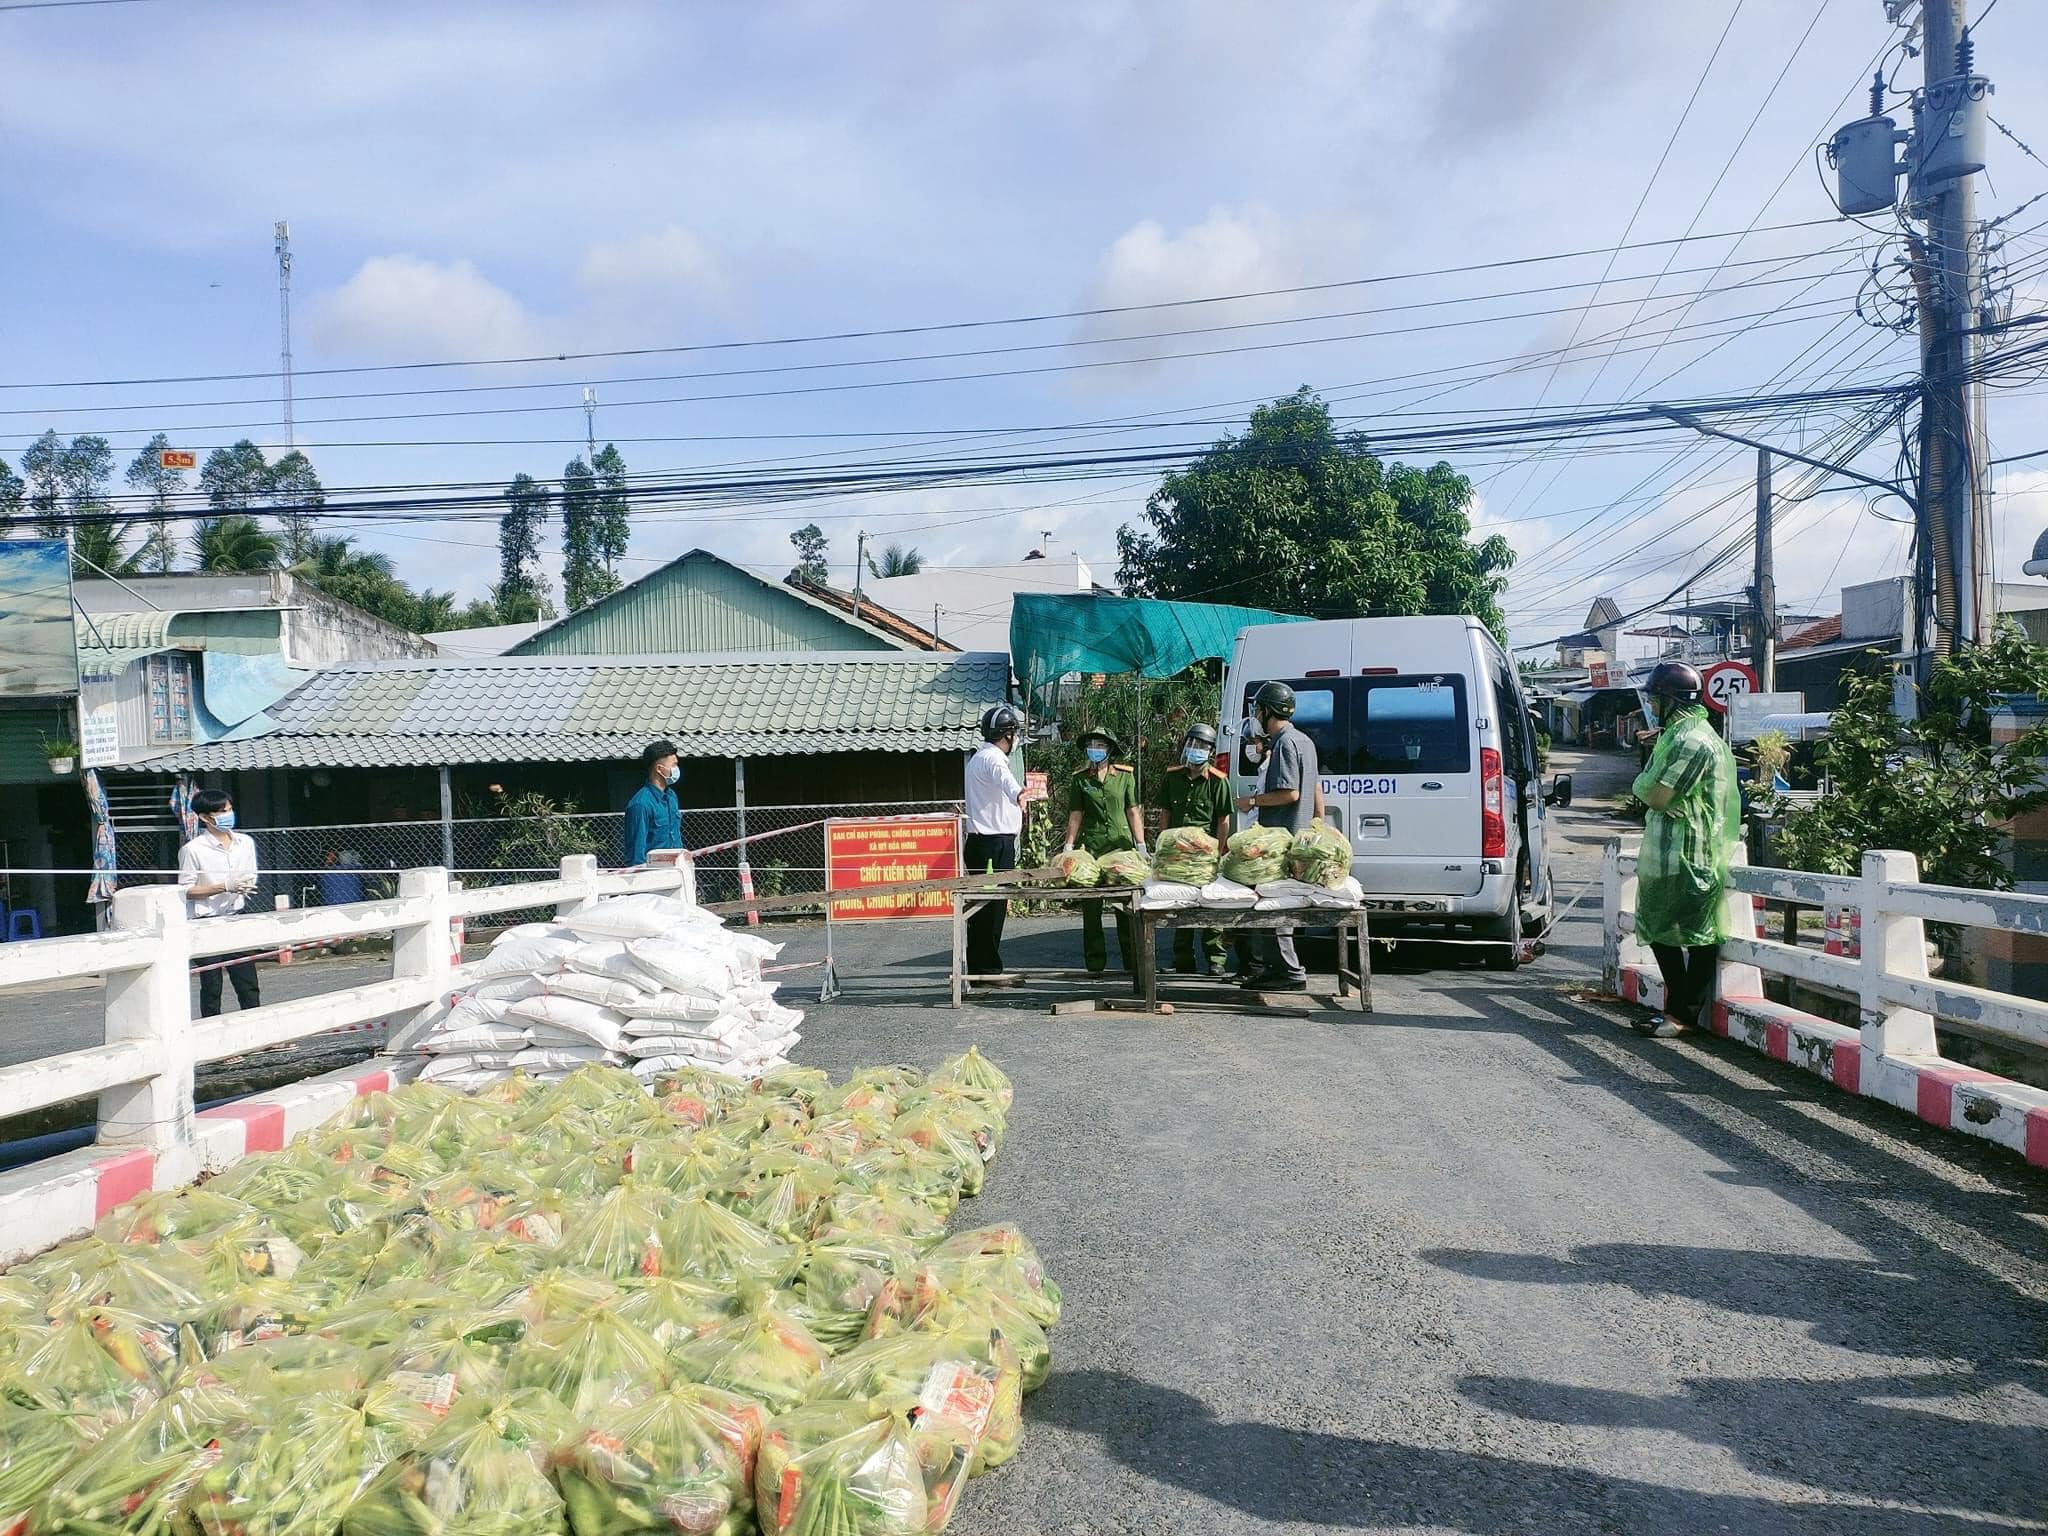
1256, 855
548, 1308
649, 981
1266, 868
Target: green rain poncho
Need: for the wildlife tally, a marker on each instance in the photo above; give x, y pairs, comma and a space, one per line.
1684, 865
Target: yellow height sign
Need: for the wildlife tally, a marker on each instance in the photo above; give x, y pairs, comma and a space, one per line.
890, 850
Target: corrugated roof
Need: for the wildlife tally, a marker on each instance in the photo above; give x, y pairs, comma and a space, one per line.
572, 709
1826, 632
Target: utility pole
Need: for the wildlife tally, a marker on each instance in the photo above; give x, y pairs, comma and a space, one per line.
283, 233
1947, 154
860, 568
1764, 646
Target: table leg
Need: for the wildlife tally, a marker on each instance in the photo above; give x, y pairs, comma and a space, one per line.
1148, 959
959, 947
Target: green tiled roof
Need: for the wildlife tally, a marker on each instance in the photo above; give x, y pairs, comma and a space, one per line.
575, 709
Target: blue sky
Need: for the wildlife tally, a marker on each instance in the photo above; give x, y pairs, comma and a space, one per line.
474, 181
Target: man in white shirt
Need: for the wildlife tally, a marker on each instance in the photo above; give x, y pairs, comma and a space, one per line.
995, 817
217, 872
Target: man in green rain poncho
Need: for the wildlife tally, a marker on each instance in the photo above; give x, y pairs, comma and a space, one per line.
1695, 816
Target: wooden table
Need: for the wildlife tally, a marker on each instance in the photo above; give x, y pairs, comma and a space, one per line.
1125, 896
1349, 922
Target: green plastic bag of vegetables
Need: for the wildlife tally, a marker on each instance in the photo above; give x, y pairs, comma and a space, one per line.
299, 1476
838, 1469
681, 1461
765, 1354
483, 1474
134, 1481
974, 1070
1321, 855
702, 1239
591, 1360
675, 1309
36, 1445
1186, 856
961, 1382
1126, 866
1076, 866
1256, 855
841, 1279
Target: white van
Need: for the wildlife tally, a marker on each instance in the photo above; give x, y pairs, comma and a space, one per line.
1428, 761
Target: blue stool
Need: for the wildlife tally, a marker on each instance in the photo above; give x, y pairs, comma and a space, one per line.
24, 923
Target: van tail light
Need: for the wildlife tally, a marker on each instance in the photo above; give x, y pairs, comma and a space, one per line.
1323, 672
1222, 761
1493, 821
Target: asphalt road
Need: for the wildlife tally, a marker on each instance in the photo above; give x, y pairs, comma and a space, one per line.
1481, 1261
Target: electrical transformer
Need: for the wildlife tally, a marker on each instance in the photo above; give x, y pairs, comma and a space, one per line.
1866, 170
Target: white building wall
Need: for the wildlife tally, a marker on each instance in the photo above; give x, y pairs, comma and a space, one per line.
974, 601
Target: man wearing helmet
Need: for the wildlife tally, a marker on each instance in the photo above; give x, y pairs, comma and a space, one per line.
1197, 794
1694, 817
995, 817
1286, 798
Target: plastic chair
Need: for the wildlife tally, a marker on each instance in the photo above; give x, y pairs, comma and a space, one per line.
24, 923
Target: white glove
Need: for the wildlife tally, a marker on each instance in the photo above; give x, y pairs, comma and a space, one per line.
242, 885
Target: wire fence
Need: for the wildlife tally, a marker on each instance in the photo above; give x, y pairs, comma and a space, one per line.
359, 861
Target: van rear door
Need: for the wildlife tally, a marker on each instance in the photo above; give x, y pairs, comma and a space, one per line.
1411, 784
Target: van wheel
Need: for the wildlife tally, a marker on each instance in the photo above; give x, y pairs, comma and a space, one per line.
1507, 956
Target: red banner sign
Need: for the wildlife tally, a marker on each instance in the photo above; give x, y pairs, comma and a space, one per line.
891, 850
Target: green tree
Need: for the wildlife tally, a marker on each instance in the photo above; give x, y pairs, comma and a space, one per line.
42, 469
584, 578
84, 468
236, 478
613, 503
1937, 787
148, 475
519, 531
1292, 514
896, 561
232, 544
810, 555
292, 488
12, 493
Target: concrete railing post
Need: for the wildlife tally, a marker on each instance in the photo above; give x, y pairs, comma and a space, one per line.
1894, 944
1611, 891
1738, 915
579, 869
420, 947
153, 1005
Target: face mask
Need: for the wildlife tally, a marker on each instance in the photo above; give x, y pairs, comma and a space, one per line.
1098, 754
672, 775
225, 821
1653, 714
1195, 755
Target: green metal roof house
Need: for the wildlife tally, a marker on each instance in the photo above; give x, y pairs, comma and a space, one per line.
703, 603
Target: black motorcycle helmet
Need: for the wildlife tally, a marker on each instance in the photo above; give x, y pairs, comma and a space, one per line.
1203, 733
1276, 699
1675, 680
999, 722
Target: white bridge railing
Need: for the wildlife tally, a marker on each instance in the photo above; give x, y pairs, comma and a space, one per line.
1897, 1000
143, 1073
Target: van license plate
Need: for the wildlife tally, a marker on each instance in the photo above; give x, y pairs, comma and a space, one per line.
1362, 784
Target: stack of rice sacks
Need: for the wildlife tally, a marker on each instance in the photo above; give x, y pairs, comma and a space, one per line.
648, 982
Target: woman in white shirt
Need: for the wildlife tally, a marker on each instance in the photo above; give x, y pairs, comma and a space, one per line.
217, 872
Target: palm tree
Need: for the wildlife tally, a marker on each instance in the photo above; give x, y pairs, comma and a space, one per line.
896, 561
99, 546
233, 545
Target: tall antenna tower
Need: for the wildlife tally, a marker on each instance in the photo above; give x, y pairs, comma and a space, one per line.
284, 324
590, 424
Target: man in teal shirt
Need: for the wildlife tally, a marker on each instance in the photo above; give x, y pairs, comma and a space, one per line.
654, 819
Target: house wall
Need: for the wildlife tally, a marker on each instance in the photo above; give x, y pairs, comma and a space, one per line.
320, 631
974, 602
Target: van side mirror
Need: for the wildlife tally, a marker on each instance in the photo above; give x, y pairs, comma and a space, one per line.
1560, 790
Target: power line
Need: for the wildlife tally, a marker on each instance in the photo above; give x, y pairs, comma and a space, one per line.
904, 330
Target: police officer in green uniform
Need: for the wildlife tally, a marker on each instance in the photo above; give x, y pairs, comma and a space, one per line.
1103, 816
1197, 794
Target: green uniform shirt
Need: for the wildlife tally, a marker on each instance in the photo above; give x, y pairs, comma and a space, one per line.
1683, 868
1105, 808
1196, 797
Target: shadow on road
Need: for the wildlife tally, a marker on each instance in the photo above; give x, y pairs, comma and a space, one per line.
1280, 1474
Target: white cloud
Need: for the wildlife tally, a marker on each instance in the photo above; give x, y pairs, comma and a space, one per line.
407, 307
669, 272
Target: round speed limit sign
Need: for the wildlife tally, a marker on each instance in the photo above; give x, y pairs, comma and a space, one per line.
1726, 681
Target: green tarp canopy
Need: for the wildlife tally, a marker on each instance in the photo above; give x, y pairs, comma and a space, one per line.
1052, 634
